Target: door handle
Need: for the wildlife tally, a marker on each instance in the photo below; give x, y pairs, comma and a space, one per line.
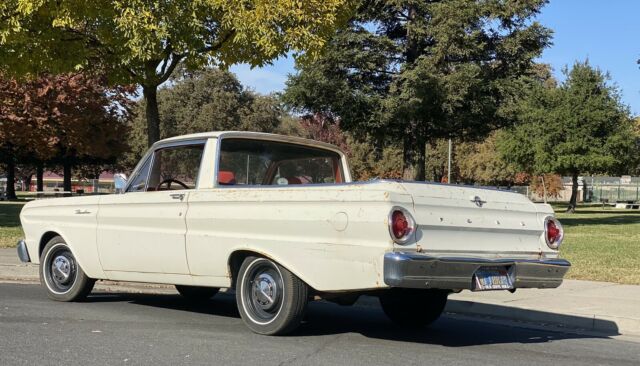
177, 196
82, 212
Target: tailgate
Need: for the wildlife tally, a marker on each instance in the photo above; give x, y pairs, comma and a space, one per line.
472, 222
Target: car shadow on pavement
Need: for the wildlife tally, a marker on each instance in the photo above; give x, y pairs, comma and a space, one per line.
220, 305
450, 330
325, 318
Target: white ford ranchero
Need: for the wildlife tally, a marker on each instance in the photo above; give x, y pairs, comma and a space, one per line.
279, 220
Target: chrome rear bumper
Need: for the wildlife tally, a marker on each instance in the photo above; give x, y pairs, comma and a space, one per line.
23, 252
416, 270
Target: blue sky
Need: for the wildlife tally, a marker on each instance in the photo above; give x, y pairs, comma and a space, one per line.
605, 32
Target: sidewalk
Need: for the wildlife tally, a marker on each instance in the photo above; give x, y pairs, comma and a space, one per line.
14, 271
602, 307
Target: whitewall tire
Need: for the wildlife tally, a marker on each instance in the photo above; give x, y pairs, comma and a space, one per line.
60, 273
271, 300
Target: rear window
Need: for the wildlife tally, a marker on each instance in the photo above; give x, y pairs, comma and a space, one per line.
256, 162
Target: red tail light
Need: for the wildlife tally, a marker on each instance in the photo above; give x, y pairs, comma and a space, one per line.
553, 232
401, 225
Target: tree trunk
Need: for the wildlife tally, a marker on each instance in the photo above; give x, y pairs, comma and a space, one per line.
26, 182
411, 53
66, 171
573, 202
414, 149
11, 180
153, 116
39, 177
437, 176
413, 155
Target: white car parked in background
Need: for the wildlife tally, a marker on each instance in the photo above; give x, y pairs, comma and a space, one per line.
279, 220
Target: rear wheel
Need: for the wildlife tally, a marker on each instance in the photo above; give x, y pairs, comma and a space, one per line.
60, 273
271, 300
197, 293
413, 308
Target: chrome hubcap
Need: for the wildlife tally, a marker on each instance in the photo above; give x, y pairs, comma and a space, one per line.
61, 269
265, 291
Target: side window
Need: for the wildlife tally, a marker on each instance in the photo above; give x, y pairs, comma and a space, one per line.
139, 181
175, 168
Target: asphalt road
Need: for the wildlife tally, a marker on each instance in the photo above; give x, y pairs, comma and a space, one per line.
134, 329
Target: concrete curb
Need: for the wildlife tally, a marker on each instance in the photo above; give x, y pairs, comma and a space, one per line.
608, 326
108, 286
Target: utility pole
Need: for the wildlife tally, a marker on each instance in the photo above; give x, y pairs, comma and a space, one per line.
449, 164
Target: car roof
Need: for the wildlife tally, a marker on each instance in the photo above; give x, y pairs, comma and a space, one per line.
249, 135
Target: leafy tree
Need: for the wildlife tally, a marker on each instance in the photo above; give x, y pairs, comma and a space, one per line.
62, 120
364, 165
386, 164
578, 127
472, 162
481, 163
437, 161
142, 42
207, 100
547, 185
414, 71
320, 129
20, 135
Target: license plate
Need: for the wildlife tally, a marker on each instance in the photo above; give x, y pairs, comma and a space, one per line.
492, 278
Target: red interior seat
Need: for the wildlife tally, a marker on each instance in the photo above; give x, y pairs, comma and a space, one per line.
226, 178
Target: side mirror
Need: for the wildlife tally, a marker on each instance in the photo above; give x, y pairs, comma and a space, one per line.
120, 182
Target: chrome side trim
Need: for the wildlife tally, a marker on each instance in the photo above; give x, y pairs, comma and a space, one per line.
520, 230
23, 252
415, 270
452, 185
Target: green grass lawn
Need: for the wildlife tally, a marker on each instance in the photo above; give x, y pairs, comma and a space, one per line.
10, 230
602, 244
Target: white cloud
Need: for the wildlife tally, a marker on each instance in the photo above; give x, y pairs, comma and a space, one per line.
267, 79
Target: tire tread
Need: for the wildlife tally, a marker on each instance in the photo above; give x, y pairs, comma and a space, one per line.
413, 308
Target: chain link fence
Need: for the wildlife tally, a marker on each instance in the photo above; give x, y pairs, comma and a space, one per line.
591, 189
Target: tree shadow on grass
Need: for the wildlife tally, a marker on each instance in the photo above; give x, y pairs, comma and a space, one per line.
10, 214
619, 218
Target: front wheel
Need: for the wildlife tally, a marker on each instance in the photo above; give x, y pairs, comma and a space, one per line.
271, 300
60, 273
413, 308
